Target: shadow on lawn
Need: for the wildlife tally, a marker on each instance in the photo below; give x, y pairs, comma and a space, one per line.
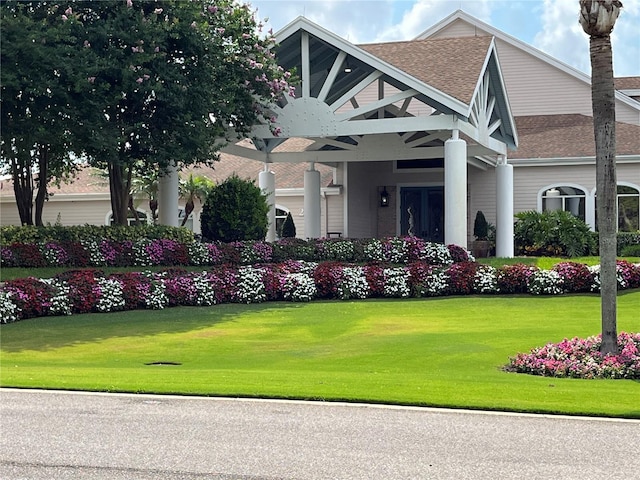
47, 333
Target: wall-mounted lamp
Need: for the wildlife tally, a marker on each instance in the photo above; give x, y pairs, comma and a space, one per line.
384, 197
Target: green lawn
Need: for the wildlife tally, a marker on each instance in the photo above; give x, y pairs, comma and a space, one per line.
441, 352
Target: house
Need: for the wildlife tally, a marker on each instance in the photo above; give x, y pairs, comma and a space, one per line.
415, 137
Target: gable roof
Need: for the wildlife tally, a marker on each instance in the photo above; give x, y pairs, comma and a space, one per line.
460, 15
452, 65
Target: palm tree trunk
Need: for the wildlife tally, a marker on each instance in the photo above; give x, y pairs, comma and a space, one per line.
603, 104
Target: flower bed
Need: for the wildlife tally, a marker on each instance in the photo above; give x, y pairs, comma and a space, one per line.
167, 252
581, 358
83, 291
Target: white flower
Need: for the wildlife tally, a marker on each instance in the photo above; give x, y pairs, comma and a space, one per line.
299, 287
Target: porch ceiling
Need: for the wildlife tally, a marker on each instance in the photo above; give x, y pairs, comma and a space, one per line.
369, 104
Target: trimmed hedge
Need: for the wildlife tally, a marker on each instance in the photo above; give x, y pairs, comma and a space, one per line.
78, 233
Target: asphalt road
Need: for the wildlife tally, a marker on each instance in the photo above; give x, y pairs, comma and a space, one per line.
57, 435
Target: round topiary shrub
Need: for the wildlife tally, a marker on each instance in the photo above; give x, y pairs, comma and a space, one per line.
235, 210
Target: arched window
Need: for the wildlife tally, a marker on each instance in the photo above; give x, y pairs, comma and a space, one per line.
628, 209
565, 197
281, 215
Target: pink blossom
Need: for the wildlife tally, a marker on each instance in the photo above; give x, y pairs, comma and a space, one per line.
146, 77
194, 24
140, 80
246, 35
157, 49
221, 30
87, 44
91, 79
157, 11
212, 9
68, 11
65, 18
129, 3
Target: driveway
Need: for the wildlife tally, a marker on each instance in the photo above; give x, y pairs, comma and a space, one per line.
58, 435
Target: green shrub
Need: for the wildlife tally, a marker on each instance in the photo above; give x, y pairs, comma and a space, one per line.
235, 210
553, 233
288, 227
627, 239
78, 233
480, 227
631, 251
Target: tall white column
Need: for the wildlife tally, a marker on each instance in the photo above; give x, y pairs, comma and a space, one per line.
312, 220
504, 209
267, 183
168, 197
455, 191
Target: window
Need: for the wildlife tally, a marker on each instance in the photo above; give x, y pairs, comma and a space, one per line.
131, 220
628, 209
567, 198
281, 215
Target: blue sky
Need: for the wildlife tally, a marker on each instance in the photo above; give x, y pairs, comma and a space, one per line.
549, 25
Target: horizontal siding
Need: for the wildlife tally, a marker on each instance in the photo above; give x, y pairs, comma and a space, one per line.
537, 88
529, 180
68, 213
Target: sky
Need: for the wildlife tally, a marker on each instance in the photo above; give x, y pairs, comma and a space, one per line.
548, 25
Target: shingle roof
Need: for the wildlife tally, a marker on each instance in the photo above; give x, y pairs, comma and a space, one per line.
452, 65
569, 135
627, 83
288, 175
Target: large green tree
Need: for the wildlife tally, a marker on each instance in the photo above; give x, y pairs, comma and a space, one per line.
35, 104
598, 18
164, 81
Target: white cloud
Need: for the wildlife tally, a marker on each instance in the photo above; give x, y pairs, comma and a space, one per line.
425, 13
549, 25
563, 38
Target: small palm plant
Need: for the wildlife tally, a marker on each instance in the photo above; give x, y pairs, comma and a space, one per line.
194, 187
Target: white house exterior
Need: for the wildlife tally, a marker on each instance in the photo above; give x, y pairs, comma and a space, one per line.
461, 119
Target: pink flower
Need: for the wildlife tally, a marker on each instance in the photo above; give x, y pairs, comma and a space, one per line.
157, 11
157, 49
65, 18
140, 80
146, 77
194, 24
68, 11
129, 3
91, 79
87, 44
212, 9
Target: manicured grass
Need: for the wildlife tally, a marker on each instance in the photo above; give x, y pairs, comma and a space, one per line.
546, 263
441, 352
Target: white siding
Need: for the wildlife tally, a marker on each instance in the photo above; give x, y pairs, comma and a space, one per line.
68, 212
536, 87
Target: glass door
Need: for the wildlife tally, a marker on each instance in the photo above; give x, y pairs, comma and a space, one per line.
422, 212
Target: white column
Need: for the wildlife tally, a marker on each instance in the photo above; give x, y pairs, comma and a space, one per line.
267, 183
455, 191
504, 209
168, 197
312, 202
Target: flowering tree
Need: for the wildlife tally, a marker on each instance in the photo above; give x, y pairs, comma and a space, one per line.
597, 18
162, 82
35, 104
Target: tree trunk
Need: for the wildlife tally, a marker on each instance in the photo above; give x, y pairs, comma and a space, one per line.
188, 208
119, 189
43, 176
603, 104
23, 190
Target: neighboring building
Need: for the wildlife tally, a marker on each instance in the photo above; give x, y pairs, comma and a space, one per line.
416, 137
